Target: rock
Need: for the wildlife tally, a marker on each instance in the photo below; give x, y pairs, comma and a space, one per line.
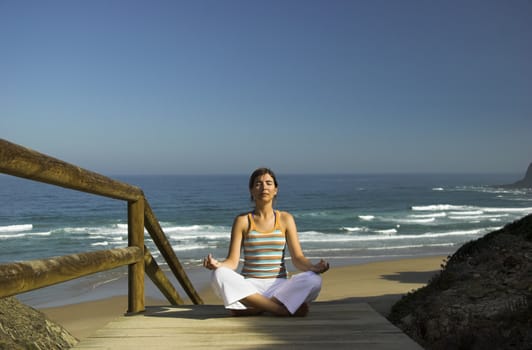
526, 182
22, 327
481, 299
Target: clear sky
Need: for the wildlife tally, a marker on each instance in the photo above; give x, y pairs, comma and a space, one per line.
181, 87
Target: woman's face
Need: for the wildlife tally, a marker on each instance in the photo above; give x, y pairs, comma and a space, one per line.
264, 188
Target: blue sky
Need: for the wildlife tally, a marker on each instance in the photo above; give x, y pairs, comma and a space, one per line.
181, 87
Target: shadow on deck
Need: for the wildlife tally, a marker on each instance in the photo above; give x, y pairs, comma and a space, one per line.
329, 325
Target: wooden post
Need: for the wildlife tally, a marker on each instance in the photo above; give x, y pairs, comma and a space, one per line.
136, 271
158, 278
160, 240
26, 163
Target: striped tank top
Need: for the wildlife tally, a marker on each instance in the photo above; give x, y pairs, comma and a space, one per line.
264, 251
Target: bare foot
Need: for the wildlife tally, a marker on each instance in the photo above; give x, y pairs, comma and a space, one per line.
302, 311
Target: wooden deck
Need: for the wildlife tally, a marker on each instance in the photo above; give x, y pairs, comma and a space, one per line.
330, 325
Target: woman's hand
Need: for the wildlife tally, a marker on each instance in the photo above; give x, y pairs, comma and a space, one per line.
320, 267
211, 263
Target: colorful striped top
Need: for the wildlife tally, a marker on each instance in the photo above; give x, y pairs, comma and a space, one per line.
264, 251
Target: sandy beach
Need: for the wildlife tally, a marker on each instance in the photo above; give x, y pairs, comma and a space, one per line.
379, 284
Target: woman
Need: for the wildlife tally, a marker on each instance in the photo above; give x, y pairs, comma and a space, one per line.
263, 234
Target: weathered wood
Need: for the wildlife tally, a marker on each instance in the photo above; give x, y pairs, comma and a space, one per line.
160, 280
24, 276
135, 219
340, 325
23, 162
159, 238
26, 163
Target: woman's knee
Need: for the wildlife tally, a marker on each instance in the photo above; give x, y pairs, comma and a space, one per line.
313, 282
316, 280
219, 271
220, 274
313, 279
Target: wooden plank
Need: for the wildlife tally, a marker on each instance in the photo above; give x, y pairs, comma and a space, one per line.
328, 325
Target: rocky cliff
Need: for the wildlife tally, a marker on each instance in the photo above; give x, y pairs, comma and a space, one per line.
22, 327
525, 182
481, 299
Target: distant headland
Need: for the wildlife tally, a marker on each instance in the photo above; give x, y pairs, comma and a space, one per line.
526, 182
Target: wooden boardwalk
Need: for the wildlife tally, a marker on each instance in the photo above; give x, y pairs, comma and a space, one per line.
329, 325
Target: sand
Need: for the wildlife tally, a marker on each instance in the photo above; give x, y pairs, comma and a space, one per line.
379, 284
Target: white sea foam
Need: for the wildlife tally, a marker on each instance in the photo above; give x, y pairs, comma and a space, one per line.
46, 233
97, 237
190, 247
122, 230
477, 217
508, 210
172, 229
467, 209
366, 217
104, 243
355, 229
437, 189
409, 246
466, 212
98, 230
454, 233
439, 207
312, 214
312, 236
387, 232
15, 235
16, 228
179, 232
24, 234
432, 215
416, 221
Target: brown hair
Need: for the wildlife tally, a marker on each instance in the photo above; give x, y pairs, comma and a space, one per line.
259, 172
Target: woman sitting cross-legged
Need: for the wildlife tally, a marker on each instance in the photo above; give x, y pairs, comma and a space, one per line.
263, 284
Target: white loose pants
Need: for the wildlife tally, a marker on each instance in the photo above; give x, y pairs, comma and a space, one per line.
231, 287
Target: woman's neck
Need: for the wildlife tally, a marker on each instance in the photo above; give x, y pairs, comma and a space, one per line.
263, 211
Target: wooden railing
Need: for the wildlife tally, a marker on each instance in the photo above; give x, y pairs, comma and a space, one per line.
25, 276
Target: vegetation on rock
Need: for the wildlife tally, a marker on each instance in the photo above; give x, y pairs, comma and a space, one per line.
482, 298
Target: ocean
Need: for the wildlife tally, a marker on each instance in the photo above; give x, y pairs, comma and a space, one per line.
346, 219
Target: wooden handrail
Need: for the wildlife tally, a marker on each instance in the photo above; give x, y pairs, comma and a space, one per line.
23, 162
25, 276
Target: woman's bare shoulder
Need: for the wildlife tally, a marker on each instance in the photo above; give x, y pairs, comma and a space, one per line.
286, 217
243, 215
241, 219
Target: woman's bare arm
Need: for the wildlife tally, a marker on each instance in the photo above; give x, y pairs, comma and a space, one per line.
240, 225
298, 258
